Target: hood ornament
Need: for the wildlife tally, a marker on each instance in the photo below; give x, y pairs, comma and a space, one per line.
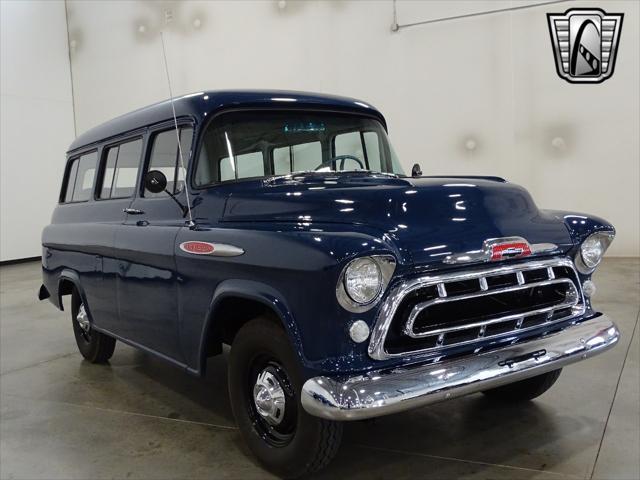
498, 249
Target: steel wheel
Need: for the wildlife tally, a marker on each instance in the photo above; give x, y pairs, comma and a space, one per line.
83, 322
93, 345
273, 408
264, 376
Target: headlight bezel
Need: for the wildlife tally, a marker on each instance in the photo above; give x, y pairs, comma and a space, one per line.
386, 265
588, 266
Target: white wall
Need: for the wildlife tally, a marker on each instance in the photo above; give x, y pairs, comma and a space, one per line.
36, 123
490, 79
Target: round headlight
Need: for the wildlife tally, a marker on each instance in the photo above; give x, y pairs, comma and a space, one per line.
363, 280
592, 250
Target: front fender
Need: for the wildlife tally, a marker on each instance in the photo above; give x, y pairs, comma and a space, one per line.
256, 291
580, 225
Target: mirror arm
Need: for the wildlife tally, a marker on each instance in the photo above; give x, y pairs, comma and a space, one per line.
173, 197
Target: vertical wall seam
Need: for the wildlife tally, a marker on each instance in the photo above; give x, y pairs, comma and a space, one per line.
514, 98
73, 95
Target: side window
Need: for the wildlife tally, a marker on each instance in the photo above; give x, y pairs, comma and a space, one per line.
282, 161
250, 165
80, 180
226, 169
71, 179
246, 165
301, 157
362, 145
372, 150
109, 170
122, 163
349, 144
165, 156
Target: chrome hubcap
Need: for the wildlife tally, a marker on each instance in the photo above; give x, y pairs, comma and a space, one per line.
269, 398
83, 319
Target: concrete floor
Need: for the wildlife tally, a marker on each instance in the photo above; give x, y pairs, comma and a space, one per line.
141, 418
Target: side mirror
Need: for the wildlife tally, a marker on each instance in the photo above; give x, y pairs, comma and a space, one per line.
416, 171
155, 181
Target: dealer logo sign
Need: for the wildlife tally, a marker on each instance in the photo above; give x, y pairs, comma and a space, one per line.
585, 43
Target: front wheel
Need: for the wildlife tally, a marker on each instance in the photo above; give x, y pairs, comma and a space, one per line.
264, 389
96, 347
524, 390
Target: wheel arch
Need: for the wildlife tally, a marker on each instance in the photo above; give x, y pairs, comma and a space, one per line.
258, 298
68, 280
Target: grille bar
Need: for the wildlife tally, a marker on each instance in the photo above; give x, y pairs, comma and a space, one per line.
572, 296
480, 280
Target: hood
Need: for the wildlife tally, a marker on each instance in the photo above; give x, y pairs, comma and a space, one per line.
429, 217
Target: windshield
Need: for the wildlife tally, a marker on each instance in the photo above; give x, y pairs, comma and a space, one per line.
259, 144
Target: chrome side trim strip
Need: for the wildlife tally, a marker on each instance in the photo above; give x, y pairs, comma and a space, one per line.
226, 250
396, 294
212, 249
381, 393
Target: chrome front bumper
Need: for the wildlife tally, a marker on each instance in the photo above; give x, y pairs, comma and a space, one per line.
383, 392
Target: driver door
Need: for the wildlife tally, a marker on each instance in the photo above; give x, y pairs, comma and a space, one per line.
148, 281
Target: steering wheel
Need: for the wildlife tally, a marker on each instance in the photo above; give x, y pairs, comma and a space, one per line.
341, 158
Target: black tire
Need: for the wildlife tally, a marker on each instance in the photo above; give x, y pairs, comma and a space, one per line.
524, 390
94, 346
300, 444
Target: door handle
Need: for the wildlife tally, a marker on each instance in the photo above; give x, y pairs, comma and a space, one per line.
132, 211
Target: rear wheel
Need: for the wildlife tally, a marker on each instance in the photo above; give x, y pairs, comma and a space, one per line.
264, 388
524, 390
96, 347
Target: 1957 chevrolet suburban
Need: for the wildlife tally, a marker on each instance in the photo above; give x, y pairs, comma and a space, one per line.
282, 224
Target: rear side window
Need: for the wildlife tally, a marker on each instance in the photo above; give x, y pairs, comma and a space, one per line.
71, 179
120, 172
165, 156
79, 183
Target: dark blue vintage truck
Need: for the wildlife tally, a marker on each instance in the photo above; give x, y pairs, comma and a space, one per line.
282, 224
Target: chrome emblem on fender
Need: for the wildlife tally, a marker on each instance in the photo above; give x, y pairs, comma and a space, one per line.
585, 43
497, 249
212, 249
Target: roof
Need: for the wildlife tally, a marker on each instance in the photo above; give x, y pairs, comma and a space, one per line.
199, 105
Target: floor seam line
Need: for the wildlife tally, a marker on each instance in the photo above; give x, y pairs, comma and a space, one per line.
476, 462
613, 400
43, 362
124, 412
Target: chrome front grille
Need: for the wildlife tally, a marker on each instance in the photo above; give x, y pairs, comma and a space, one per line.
437, 312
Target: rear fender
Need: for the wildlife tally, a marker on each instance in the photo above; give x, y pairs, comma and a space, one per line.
74, 278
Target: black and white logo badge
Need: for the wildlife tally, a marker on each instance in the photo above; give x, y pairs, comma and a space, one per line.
585, 43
